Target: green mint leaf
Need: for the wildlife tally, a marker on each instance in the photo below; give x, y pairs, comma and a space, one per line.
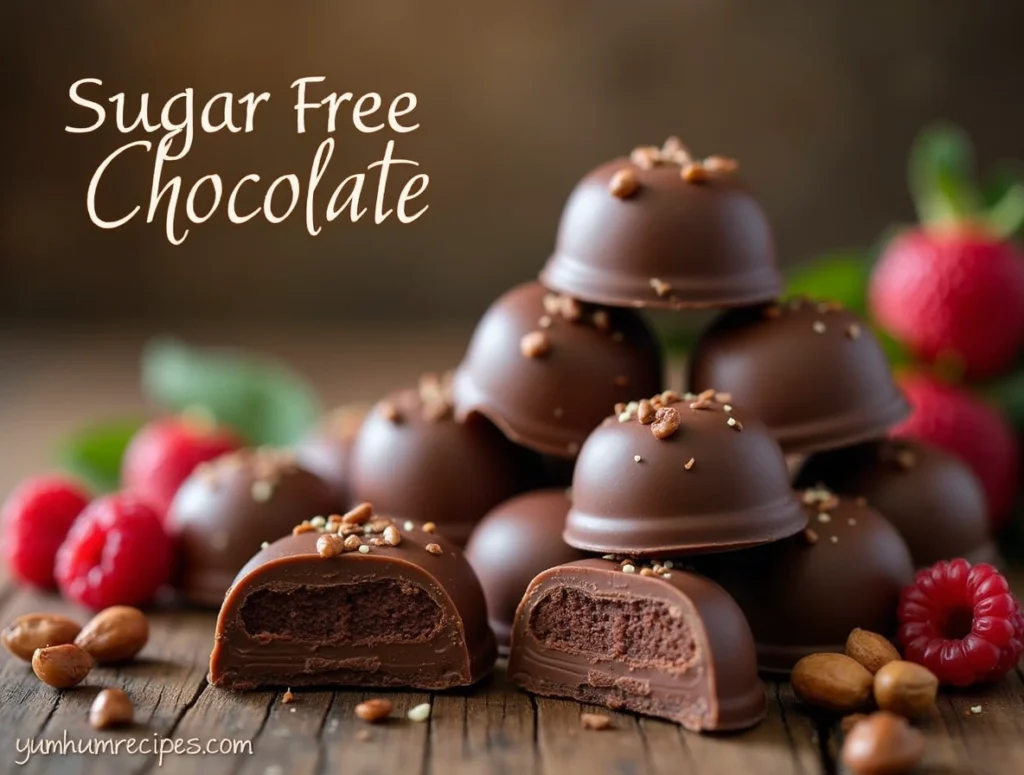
261, 398
94, 453
942, 175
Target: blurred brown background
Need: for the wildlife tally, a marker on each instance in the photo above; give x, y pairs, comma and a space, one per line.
819, 99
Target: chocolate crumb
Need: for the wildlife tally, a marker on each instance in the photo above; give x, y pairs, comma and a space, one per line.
666, 422
595, 721
624, 183
434, 548
535, 344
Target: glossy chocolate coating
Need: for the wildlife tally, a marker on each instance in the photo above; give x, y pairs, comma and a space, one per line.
674, 646
804, 595
517, 540
671, 244
735, 493
227, 508
413, 460
395, 616
326, 449
930, 496
813, 372
595, 357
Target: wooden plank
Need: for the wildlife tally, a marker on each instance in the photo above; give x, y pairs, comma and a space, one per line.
568, 749
353, 747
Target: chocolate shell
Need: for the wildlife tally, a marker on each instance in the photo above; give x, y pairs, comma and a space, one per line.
545, 368
413, 460
812, 371
660, 229
803, 595
326, 449
517, 540
410, 615
669, 644
930, 496
718, 481
227, 508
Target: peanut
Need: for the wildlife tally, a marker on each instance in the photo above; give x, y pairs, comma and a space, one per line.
373, 711
62, 666
111, 708
36, 631
833, 682
115, 634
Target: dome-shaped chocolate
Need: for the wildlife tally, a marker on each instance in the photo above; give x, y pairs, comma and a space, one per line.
673, 475
930, 496
804, 595
812, 371
660, 229
230, 506
517, 540
545, 368
325, 450
413, 460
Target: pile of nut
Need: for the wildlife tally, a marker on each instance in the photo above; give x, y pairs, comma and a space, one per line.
63, 653
870, 673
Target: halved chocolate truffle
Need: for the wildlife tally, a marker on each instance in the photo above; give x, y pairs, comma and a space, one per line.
664, 643
812, 371
517, 540
545, 368
355, 603
930, 496
664, 229
326, 449
413, 460
228, 507
804, 595
674, 475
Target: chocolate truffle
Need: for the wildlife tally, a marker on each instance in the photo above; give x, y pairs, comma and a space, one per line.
517, 540
663, 229
545, 368
354, 603
930, 496
804, 595
228, 507
812, 371
664, 643
673, 475
413, 460
325, 450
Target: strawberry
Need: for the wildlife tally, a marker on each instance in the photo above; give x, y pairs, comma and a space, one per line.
955, 420
952, 289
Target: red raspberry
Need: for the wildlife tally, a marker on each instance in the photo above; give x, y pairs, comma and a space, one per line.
35, 519
117, 553
163, 454
961, 622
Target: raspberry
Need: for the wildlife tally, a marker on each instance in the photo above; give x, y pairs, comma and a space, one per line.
35, 519
163, 454
117, 553
961, 622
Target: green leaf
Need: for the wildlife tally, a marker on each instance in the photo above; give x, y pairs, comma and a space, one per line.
260, 397
942, 175
842, 276
94, 453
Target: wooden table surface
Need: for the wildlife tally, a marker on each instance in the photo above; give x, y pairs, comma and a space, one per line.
51, 382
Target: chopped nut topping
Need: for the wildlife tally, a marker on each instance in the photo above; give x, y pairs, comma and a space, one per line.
419, 713
647, 572
619, 408
853, 331
819, 327
391, 536
834, 539
824, 518
702, 404
670, 397
318, 522
287, 698
629, 568
624, 183
303, 527
689, 464
429, 527
390, 412
364, 549
602, 322
666, 422
545, 321
637, 458
723, 398
436, 410
329, 545
661, 288
645, 412
434, 548
262, 490
373, 711
732, 422
353, 542
265, 544
720, 164
694, 172
645, 156
595, 721
673, 150
810, 536
358, 515
535, 344
706, 395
